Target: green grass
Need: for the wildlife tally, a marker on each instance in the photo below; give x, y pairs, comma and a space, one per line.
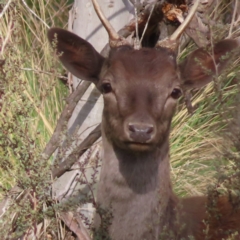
32, 98
197, 141
31, 76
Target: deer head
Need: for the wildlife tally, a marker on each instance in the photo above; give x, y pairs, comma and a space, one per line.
140, 87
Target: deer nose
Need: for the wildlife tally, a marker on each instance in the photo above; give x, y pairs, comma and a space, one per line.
140, 132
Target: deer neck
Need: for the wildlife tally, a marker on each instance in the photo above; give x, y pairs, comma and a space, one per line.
136, 189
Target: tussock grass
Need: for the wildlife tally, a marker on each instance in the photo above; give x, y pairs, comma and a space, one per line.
32, 98
31, 73
203, 145
199, 142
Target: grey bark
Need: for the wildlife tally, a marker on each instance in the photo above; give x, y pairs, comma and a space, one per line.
87, 115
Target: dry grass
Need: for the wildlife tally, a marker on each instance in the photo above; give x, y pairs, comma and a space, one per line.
28, 58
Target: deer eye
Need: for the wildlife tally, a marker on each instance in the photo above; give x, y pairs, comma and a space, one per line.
106, 88
176, 93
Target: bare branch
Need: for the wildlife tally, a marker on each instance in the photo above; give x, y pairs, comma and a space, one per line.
34, 14
5, 41
72, 101
233, 18
146, 26
75, 225
137, 44
61, 168
5, 8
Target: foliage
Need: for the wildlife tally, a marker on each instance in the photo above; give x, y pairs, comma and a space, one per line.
31, 100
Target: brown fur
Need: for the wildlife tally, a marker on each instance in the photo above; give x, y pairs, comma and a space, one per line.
140, 90
218, 222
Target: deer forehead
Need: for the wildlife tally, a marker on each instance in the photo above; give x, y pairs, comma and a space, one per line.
149, 68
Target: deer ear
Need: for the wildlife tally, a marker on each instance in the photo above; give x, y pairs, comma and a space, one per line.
77, 55
200, 66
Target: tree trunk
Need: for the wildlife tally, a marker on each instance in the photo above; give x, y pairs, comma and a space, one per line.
84, 22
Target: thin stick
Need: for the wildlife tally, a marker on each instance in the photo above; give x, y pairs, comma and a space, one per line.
137, 46
5, 8
5, 41
71, 101
61, 168
189, 17
233, 18
145, 28
33, 13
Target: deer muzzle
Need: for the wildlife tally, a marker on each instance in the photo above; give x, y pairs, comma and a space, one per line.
140, 132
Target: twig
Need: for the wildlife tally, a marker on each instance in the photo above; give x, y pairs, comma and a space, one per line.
145, 28
61, 168
10, 28
137, 44
5, 8
38, 110
44, 72
33, 13
72, 101
75, 225
233, 18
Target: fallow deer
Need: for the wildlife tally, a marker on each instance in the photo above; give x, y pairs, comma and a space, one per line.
140, 89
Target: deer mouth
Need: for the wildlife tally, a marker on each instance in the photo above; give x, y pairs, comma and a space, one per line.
139, 146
